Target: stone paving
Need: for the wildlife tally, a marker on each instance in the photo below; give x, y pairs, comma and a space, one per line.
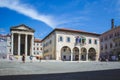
48, 67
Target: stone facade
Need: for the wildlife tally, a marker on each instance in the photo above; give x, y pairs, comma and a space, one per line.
37, 47
71, 45
22, 40
110, 44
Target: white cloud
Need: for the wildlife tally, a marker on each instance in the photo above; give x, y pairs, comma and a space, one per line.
27, 10
2, 30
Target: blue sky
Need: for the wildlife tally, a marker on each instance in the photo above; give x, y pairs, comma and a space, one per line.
45, 15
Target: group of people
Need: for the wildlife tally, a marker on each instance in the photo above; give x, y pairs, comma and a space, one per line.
31, 58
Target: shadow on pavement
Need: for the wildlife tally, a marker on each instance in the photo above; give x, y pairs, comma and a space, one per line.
91, 75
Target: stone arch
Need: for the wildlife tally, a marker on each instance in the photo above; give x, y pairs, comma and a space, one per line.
92, 54
83, 53
75, 54
65, 53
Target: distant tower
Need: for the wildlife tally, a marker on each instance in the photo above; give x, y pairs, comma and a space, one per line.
112, 23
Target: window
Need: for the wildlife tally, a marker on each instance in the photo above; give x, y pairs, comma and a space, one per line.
68, 39
101, 39
101, 47
47, 44
83, 40
60, 38
95, 42
10, 43
118, 34
116, 44
106, 46
90, 41
9, 50
110, 45
37, 53
37, 44
115, 34
50, 42
37, 48
106, 38
43, 45
111, 35
40, 48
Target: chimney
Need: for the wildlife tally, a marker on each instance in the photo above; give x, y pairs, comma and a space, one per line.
112, 23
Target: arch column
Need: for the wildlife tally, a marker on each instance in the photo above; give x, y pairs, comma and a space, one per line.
86, 55
79, 55
97, 56
71, 55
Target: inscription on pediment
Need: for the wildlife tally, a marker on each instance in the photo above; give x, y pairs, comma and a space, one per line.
22, 28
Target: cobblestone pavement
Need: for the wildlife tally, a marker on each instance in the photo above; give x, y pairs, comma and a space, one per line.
19, 68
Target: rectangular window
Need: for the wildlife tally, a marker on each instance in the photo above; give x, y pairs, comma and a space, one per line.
50, 42
37, 44
40, 48
37, 48
101, 47
60, 38
90, 41
101, 39
95, 42
10, 50
68, 39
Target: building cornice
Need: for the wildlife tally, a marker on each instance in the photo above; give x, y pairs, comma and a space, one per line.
69, 30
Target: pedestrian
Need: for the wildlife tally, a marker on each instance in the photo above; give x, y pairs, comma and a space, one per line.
40, 58
10, 57
23, 58
31, 57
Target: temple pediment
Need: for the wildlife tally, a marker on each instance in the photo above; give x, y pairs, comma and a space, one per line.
21, 27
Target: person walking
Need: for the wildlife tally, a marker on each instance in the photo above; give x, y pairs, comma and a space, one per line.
23, 58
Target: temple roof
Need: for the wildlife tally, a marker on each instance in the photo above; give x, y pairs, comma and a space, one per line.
22, 27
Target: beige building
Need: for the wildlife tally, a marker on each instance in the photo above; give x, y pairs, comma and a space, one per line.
37, 47
110, 43
71, 45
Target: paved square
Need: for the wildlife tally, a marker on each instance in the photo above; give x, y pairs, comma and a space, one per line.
19, 68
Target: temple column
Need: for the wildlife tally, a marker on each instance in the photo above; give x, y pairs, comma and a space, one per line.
19, 37
32, 43
12, 43
26, 47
